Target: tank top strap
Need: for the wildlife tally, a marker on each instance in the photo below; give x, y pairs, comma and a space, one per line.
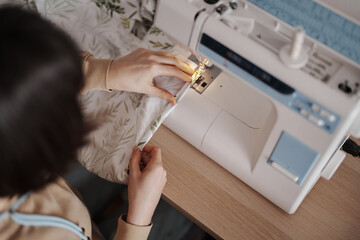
28, 219
20, 201
14, 206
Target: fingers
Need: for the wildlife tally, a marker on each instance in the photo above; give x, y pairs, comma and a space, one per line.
161, 93
135, 162
171, 60
146, 157
168, 70
148, 148
167, 58
153, 152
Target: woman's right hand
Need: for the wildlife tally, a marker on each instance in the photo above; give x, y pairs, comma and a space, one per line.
135, 72
145, 184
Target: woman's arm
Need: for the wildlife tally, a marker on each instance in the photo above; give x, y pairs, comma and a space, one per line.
146, 182
95, 72
128, 231
134, 72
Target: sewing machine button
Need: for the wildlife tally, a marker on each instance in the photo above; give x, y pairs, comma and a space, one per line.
315, 107
328, 115
316, 120
233, 5
221, 9
332, 118
323, 113
305, 113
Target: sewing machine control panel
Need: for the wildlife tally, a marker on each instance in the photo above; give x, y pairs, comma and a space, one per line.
334, 57
303, 105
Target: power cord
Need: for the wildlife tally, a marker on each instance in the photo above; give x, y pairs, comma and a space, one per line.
351, 147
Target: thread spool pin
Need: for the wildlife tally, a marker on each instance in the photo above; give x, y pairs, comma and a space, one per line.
293, 55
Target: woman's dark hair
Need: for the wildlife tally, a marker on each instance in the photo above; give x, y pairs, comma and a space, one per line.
41, 123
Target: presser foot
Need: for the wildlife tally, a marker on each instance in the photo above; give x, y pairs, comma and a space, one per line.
207, 76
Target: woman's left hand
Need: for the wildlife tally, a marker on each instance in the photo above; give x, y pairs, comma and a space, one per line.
135, 72
145, 185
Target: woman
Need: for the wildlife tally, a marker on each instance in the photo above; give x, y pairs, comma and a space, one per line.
42, 127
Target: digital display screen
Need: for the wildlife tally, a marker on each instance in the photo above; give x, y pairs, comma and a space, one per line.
246, 65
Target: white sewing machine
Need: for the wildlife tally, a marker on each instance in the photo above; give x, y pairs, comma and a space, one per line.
278, 104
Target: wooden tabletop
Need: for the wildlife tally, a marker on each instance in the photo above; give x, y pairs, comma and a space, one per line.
227, 208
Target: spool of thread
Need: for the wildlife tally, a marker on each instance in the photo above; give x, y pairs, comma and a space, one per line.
297, 43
